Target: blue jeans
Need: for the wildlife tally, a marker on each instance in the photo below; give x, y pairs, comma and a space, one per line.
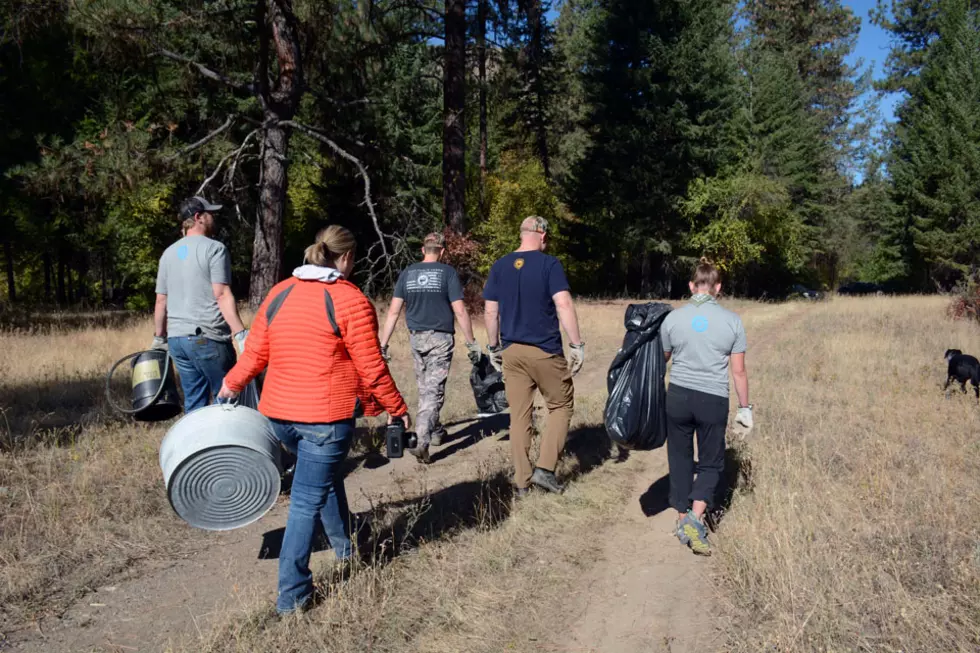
317, 492
202, 364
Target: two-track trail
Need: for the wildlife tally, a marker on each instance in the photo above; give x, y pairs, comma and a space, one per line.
644, 593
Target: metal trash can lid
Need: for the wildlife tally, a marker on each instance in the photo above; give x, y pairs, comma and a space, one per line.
224, 487
221, 467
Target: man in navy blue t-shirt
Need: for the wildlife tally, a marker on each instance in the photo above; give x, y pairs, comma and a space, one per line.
527, 297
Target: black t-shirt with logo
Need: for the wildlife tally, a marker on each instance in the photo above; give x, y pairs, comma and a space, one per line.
429, 290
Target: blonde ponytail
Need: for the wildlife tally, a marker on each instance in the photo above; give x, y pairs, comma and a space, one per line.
331, 243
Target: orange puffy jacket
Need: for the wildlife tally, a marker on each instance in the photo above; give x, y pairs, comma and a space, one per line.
320, 343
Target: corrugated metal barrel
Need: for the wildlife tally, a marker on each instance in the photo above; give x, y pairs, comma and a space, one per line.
151, 403
221, 465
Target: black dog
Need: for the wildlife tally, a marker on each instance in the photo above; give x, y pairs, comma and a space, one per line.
963, 368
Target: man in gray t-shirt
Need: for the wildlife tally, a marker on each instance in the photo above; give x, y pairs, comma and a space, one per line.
196, 313
432, 295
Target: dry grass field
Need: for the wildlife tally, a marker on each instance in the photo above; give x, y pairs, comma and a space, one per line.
860, 534
856, 533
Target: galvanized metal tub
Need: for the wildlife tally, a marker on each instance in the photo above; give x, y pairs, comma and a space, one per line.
221, 466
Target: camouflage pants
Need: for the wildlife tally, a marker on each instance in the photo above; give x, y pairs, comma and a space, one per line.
433, 354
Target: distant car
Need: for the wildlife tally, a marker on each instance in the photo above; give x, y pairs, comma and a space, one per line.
799, 290
861, 288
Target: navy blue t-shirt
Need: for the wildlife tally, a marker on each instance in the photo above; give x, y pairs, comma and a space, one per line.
523, 283
429, 289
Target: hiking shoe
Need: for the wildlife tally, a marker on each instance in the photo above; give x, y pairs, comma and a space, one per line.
435, 440
421, 453
680, 534
697, 534
545, 479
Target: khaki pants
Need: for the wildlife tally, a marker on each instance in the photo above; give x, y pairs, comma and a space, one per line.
527, 369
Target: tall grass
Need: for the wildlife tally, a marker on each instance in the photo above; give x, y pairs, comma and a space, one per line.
859, 535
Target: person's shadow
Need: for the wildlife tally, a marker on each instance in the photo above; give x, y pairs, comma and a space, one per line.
475, 431
737, 476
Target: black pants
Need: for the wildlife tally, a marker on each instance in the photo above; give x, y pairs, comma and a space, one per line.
689, 411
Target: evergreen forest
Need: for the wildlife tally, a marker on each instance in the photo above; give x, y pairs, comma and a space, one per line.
648, 132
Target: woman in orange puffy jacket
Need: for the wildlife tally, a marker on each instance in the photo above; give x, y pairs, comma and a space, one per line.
318, 335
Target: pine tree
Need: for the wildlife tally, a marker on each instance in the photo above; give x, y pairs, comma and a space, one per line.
657, 77
935, 164
914, 24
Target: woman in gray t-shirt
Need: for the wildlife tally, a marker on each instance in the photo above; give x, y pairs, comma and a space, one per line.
703, 340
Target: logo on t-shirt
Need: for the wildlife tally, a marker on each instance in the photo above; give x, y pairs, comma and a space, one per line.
699, 324
425, 281
182, 252
519, 263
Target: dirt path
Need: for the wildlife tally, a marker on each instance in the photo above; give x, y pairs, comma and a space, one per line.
647, 593
161, 603
644, 597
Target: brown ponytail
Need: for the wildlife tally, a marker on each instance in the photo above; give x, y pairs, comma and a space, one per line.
330, 244
705, 274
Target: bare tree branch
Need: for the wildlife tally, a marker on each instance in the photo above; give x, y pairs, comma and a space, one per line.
205, 71
221, 164
312, 133
204, 141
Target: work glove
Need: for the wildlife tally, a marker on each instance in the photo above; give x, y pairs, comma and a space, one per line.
159, 342
239, 340
576, 357
474, 352
744, 418
496, 357
384, 353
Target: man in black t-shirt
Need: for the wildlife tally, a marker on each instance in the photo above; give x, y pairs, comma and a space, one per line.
432, 295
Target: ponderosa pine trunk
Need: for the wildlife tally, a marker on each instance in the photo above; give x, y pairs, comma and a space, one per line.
280, 100
8, 253
481, 46
454, 98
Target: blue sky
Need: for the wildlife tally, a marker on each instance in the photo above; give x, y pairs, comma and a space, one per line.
872, 47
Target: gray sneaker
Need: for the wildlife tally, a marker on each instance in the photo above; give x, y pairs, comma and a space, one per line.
545, 479
697, 534
680, 534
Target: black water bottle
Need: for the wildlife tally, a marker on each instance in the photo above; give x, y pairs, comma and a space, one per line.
394, 439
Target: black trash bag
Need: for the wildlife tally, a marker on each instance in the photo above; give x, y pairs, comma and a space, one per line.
488, 387
635, 414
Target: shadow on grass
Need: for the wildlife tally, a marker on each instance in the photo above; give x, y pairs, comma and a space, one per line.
475, 431
402, 524
737, 476
483, 504
55, 412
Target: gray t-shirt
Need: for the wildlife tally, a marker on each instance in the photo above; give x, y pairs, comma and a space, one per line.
187, 270
429, 289
700, 338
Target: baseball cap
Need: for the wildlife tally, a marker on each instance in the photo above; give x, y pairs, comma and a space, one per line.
196, 204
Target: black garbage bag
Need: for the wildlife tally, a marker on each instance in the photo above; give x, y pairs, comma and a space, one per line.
488, 387
635, 413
